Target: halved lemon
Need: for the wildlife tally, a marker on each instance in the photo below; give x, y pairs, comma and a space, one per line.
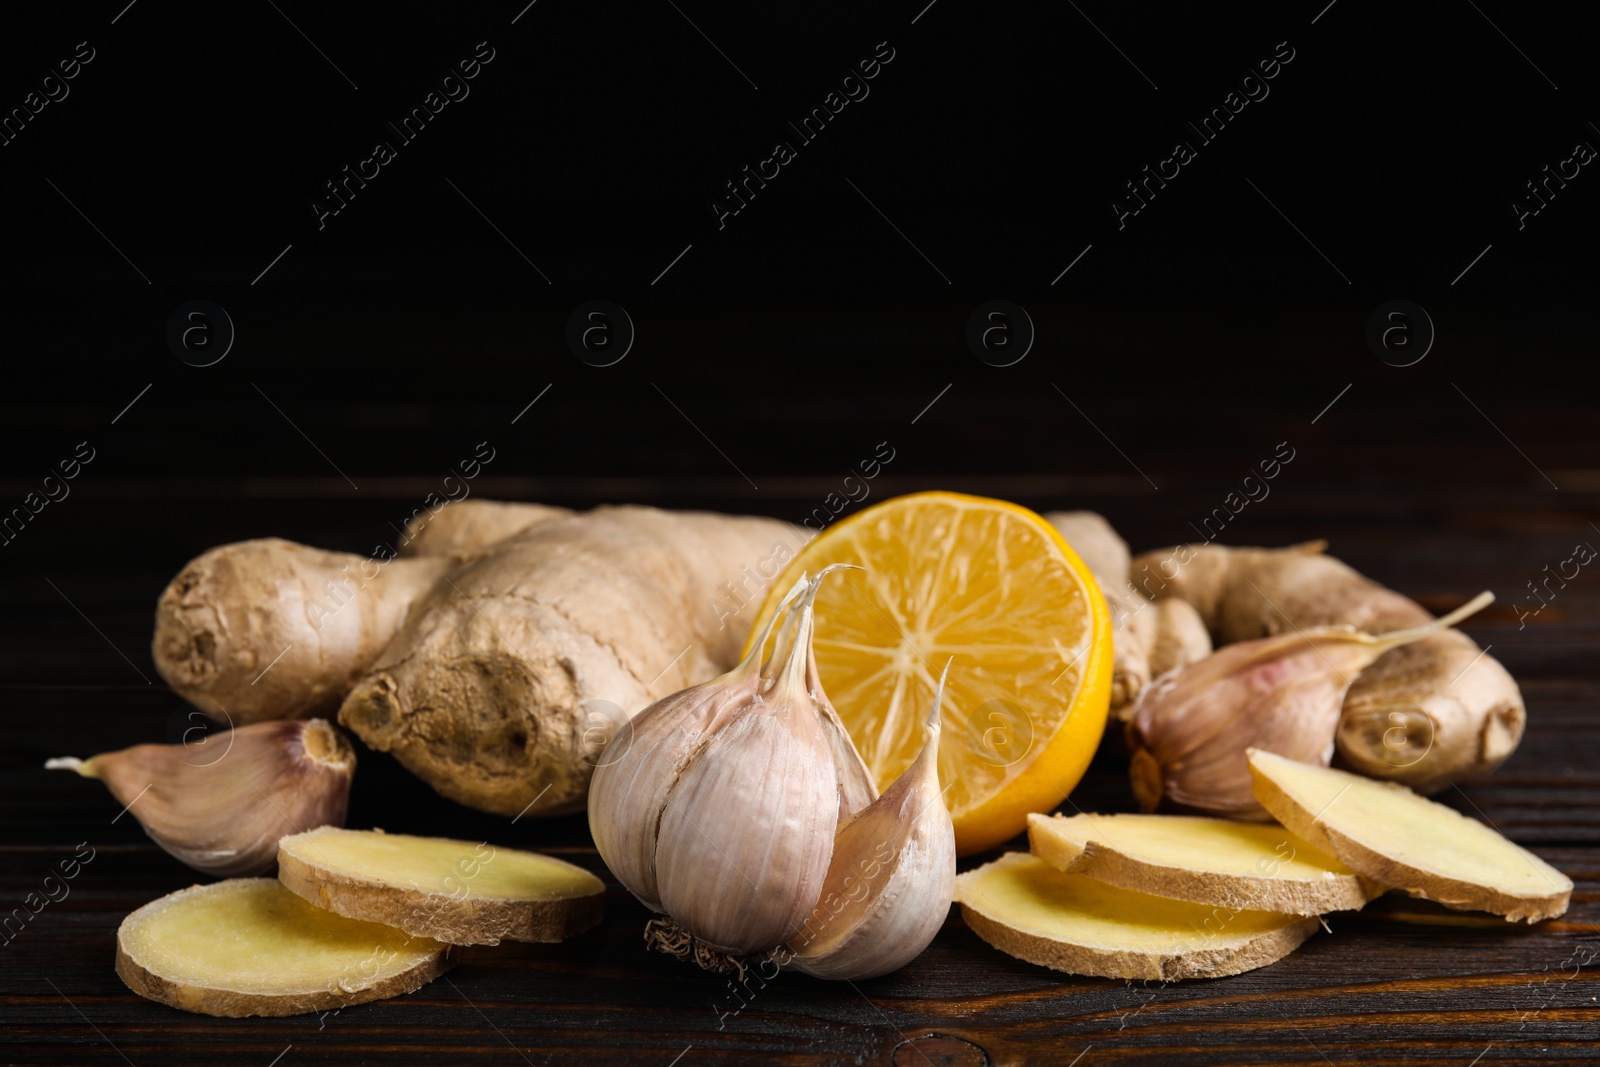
992, 589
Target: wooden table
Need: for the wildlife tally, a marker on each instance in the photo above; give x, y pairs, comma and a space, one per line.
1401, 982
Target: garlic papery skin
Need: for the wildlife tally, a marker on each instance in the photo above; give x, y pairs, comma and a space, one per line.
638, 769
741, 810
890, 883
747, 832
223, 815
856, 786
1190, 729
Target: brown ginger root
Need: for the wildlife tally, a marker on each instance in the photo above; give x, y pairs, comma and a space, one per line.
1173, 635
270, 629
465, 526
1425, 714
507, 680
1150, 639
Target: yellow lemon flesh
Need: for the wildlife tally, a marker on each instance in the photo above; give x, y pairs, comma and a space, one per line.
991, 589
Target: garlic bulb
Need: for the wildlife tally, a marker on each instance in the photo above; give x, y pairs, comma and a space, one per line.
223, 815
740, 809
1283, 694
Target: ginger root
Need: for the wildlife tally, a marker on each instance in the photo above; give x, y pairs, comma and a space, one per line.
1426, 714
269, 629
468, 525
494, 654
1150, 638
509, 676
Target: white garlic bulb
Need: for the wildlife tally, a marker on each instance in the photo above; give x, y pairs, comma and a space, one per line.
741, 810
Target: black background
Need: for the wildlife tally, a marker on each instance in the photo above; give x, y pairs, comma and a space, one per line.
808, 329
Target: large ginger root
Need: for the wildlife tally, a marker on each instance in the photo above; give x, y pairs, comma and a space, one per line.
1149, 638
509, 676
1426, 714
269, 629
468, 525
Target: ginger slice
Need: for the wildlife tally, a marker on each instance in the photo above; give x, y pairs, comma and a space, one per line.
248, 946
1207, 861
1391, 835
453, 891
1069, 922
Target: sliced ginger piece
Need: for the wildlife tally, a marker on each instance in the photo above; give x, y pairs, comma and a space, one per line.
248, 946
1391, 835
1069, 922
1207, 861
453, 891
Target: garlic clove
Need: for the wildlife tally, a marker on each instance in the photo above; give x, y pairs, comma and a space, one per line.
636, 772
223, 815
1283, 694
891, 879
1189, 731
857, 790
747, 832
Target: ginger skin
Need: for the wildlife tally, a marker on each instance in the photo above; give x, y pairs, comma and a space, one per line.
269, 629
462, 528
1149, 639
509, 677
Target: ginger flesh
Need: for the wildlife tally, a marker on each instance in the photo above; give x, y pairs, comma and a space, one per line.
459, 892
1392, 835
442, 866
248, 946
1199, 859
1069, 922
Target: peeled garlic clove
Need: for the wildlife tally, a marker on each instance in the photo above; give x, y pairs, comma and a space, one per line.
748, 827
890, 882
1283, 694
223, 815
